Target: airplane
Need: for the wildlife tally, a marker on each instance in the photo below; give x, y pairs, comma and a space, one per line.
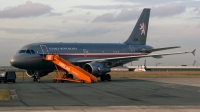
95, 58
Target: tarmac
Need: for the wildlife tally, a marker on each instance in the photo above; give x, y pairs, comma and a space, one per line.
134, 95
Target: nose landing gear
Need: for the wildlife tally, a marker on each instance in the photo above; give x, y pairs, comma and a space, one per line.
36, 77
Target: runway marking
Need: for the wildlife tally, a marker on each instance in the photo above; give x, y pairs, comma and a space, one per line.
13, 94
65, 94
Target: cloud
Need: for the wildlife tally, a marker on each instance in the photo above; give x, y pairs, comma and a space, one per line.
132, 14
83, 33
124, 15
27, 31
69, 11
64, 21
54, 14
197, 10
107, 17
168, 10
120, 6
127, 15
28, 9
152, 2
88, 13
198, 26
189, 3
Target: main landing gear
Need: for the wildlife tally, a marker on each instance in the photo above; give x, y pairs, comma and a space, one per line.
106, 77
69, 76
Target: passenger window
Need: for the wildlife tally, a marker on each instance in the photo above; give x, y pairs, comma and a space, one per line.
28, 51
32, 51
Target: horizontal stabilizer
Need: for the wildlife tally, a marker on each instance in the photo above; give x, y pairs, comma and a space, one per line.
193, 52
158, 49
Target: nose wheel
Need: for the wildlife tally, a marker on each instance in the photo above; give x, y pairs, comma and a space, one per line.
36, 78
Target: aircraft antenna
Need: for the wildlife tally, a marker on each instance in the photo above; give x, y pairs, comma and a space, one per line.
158, 64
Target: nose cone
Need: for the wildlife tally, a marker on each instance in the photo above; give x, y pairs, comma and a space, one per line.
12, 61
26, 61
16, 61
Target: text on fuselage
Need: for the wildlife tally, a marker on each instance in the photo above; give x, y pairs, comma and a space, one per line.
62, 48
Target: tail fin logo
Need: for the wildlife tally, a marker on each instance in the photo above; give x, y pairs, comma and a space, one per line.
143, 28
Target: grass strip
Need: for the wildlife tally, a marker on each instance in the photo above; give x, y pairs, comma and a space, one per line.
4, 94
157, 74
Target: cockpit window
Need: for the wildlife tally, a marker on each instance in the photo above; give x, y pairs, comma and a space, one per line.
26, 51
22, 51
32, 51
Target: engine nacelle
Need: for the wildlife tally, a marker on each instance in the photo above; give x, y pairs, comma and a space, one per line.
31, 73
96, 68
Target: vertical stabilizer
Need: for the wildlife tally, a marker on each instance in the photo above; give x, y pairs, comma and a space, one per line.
139, 33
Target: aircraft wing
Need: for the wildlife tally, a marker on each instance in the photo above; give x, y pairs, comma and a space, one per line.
158, 49
133, 57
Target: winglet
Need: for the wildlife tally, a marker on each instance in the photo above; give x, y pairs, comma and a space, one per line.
193, 52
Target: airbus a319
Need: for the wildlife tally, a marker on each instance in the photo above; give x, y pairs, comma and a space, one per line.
95, 58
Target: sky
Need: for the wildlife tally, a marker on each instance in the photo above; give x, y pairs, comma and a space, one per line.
172, 23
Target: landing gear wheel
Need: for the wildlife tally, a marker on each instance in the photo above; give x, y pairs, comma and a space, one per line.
37, 76
38, 80
34, 79
102, 78
107, 77
70, 76
14, 81
54, 80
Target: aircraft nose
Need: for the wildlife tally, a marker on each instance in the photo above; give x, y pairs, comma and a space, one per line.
16, 61
12, 61
26, 61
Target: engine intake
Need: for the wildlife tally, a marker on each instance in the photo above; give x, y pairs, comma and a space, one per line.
31, 73
96, 68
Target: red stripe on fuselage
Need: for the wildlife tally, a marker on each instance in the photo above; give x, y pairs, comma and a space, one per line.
102, 55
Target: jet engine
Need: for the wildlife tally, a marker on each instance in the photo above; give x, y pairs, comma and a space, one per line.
31, 73
96, 68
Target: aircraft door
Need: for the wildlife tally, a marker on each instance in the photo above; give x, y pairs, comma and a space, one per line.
44, 50
132, 49
85, 52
